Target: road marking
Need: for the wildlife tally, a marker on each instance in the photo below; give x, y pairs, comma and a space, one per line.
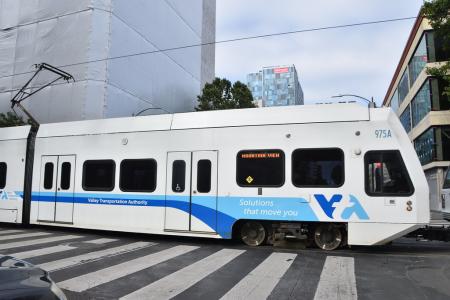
260, 282
90, 280
177, 282
337, 280
38, 241
93, 256
101, 241
23, 235
43, 251
2, 232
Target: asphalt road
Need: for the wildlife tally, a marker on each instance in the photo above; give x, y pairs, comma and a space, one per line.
106, 265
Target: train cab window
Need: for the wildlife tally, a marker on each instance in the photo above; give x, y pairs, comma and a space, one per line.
3, 169
65, 175
204, 176
48, 176
178, 176
318, 167
386, 174
260, 168
98, 175
138, 175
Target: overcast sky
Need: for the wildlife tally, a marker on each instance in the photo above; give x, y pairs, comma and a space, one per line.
358, 60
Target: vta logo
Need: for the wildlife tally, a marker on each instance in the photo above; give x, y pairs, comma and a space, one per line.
351, 207
3, 195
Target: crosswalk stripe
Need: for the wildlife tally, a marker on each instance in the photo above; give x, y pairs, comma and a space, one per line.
2, 232
92, 256
43, 251
90, 280
260, 282
337, 280
38, 241
101, 241
23, 235
177, 282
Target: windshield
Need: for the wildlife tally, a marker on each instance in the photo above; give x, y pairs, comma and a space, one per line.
447, 179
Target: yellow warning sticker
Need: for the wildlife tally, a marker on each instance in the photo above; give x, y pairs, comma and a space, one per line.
249, 179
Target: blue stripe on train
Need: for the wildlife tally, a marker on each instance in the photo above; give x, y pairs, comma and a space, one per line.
229, 209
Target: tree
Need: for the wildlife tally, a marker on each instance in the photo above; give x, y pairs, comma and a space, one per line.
220, 94
438, 14
9, 119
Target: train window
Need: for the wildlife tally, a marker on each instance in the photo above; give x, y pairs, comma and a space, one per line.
3, 169
318, 167
98, 175
178, 176
386, 174
138, 175
48, 176
204, 176
65, 175
260, 168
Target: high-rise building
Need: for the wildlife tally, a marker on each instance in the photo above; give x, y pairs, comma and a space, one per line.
101, 44
417, 99
275, 86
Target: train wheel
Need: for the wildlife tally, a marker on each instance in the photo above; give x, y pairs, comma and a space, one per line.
253, 233
328, 236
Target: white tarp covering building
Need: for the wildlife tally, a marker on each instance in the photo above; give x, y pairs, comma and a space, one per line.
95, 40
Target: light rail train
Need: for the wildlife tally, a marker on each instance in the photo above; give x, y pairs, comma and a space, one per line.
334, 174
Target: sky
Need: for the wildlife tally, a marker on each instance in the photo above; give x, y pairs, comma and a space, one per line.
358, 60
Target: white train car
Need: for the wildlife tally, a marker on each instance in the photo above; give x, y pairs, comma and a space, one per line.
334, 173
13, 147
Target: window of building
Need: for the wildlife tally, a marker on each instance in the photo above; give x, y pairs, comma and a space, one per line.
447, 179
442, 101
403, 87
405, 118
418, 60
48, 176
3, 169
260, 168
394, 101
204, 176
421, 104
318, 167
99, 175
138, 175
65, 175
386, 174
425, 146
445, 135
178, 176
442, 52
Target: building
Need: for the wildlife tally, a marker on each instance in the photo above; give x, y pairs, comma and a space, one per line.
423, 110
96, 41
275, 86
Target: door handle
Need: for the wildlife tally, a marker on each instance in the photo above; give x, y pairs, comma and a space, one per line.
194, 192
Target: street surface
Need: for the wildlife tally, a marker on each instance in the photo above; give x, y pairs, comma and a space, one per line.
106, 265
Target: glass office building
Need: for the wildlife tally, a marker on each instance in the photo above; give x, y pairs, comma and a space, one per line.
275, 86
423, 109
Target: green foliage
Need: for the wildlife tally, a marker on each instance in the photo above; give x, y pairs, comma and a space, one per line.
9, 119
438, 14
220, 94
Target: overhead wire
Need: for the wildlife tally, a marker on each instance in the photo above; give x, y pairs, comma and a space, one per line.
239, 39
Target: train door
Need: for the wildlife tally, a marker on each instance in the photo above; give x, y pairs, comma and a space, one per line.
191, 191
57, 188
